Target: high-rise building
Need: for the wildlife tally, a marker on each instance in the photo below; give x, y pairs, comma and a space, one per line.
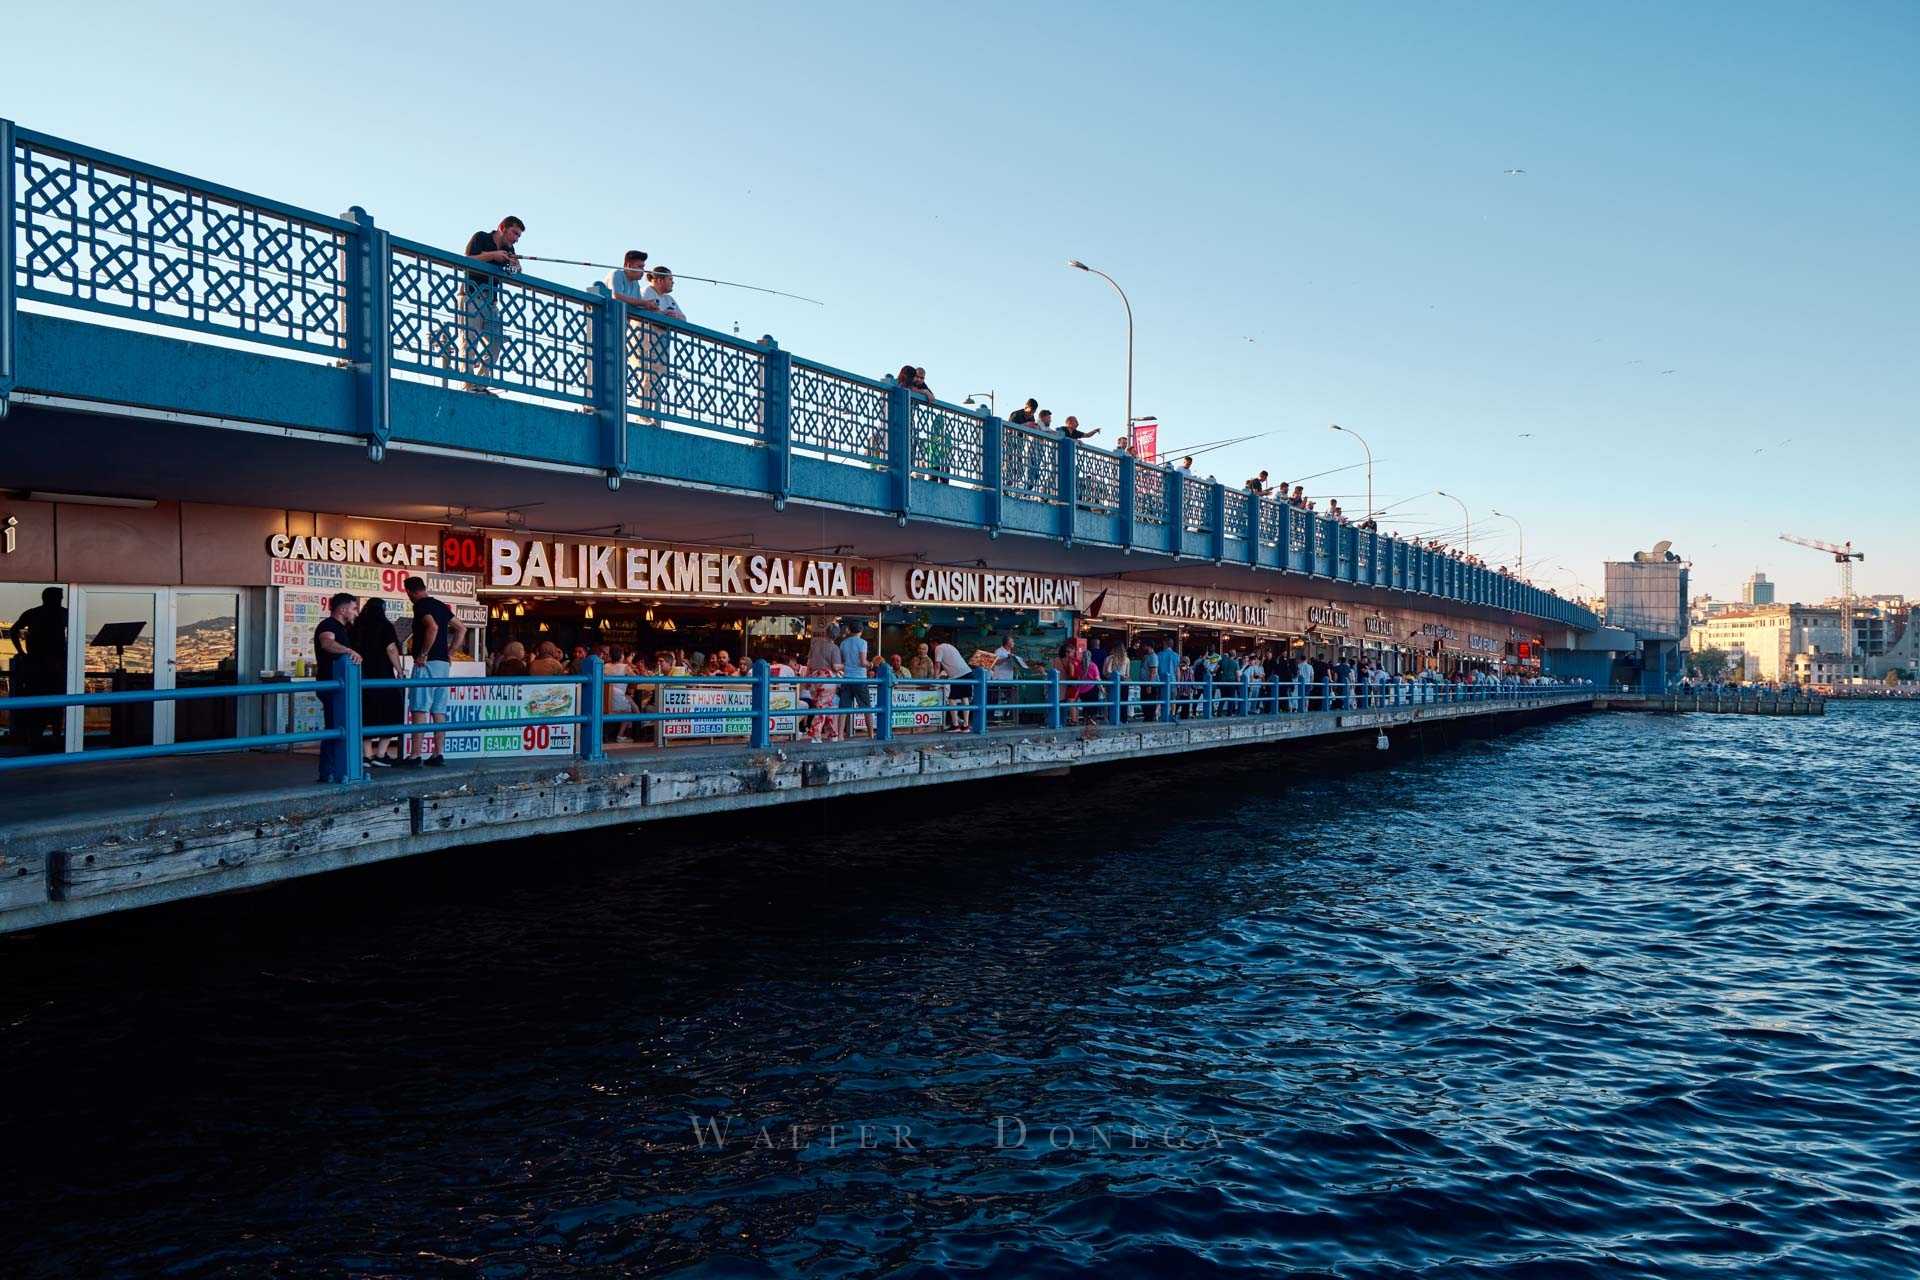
1757, 589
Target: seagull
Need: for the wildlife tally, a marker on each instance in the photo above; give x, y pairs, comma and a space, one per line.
1636, 362
1526, 435
1669, 371
1516, 173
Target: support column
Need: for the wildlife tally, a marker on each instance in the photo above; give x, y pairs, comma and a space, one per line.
778, 426
370, 330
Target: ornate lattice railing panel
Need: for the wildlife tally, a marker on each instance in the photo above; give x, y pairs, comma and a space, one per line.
679, 374
837, 415
480, 328
948, 444
1150, 494
1297, 521
1270, 519
1029, 464
1196, 498
1362, 554
1098, 479
109, 239
1239, 517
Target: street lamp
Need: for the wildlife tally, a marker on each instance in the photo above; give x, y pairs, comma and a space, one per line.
993, 405
1078, 265
1363, 444
1520, 565
1463, 515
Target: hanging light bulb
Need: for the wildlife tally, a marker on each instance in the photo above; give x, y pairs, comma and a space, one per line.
649, 613
588, 615
519, 610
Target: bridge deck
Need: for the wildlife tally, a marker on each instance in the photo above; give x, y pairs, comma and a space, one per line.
88, 840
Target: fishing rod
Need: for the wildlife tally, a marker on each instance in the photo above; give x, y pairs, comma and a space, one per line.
731, 284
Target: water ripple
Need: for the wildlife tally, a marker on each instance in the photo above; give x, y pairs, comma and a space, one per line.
1614, 996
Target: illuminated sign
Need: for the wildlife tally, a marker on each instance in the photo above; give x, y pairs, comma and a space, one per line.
1377, 626
405, 555
1325, 615
1166, 604
537, 564
990, 587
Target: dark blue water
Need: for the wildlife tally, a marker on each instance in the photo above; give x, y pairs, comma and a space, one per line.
1619, 995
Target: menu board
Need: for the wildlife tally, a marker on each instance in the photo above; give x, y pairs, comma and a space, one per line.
913, 707
470, 707
721, 711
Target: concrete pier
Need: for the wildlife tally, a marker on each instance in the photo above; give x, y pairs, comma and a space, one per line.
87, 843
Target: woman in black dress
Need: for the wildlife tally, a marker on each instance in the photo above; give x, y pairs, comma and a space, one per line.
379, 649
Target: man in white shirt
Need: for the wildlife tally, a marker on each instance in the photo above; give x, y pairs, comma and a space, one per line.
658, 295
1005, 661
656, 341
951, 666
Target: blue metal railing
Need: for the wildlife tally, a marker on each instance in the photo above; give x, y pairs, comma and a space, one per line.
972, 704
106, 236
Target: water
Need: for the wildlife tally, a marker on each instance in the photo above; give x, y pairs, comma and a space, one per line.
1620, 995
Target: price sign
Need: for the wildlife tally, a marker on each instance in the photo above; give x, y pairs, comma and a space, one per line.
462, 551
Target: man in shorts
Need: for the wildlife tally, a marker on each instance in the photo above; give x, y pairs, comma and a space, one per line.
436, 634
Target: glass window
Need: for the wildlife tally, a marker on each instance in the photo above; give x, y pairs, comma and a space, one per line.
33, 660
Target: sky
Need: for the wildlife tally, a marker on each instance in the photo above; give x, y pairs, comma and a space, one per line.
1692, 318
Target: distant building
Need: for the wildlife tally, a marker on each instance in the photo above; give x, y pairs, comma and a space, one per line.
1757, 590
1647, 595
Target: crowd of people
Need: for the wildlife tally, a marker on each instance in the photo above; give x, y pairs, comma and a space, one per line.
831, 673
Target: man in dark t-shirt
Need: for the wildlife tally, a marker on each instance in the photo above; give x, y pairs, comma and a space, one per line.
436, 634
332, 646
480, 297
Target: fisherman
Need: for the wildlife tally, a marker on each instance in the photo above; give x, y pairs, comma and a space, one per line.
624, 281
480, 297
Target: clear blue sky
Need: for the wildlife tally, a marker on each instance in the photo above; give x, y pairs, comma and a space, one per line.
1729, 191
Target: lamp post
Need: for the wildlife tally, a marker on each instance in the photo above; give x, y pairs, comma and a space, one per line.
1519, 565
1363, 444
993, 405
1464, 515
1078, 265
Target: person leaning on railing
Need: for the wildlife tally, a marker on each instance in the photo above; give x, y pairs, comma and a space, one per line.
480, 330
333, 645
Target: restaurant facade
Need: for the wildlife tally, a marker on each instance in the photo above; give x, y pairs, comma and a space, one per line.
122, 594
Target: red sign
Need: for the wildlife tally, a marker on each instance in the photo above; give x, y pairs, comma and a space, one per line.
463, 551
1146, 441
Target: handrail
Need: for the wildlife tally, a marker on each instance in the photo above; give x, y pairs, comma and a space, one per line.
978, 702
341, 273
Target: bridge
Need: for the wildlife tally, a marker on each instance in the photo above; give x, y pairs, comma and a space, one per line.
151, 322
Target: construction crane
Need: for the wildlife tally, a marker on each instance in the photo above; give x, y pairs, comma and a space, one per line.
1843, 555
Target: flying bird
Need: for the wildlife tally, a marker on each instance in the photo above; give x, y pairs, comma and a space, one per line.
1669, 371
1636, 362
1516, 173
1526, 435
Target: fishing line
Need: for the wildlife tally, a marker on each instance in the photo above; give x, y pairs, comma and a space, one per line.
731, 284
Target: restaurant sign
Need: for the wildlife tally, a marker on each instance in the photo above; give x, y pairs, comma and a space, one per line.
1482, 644
535, 564
990, 587
1233, 613
405, 555
1326, 615
1379, 626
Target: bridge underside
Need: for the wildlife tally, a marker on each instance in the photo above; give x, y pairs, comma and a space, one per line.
132, 452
